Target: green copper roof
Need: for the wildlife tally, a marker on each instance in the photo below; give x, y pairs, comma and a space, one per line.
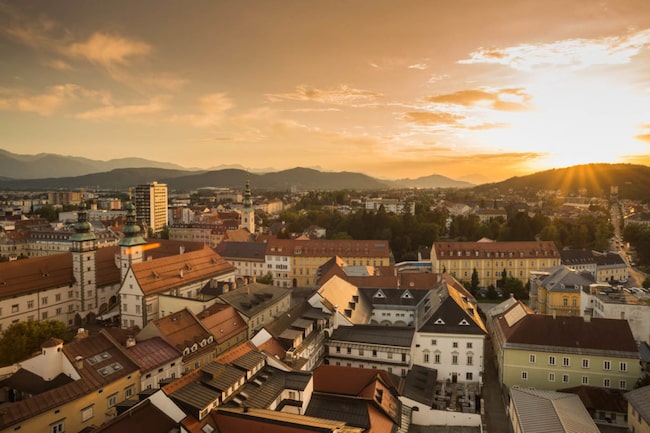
131, 229
83, 229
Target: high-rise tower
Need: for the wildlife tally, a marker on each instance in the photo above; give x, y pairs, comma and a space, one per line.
247, 211
151, 206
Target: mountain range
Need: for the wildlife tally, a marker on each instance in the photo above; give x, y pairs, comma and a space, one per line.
47, 171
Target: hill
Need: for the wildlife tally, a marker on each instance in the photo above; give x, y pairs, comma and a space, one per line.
589, 179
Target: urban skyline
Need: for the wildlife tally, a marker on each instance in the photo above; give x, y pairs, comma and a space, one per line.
472, 91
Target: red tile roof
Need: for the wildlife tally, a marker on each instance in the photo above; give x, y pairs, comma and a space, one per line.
152, 353
514, 249
223, 322
328, 248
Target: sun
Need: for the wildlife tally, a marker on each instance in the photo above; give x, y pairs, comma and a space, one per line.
574, 120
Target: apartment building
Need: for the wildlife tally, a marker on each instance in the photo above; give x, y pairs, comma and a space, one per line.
151, 204
490, 259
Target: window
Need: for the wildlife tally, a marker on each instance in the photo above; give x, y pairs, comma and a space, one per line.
57, 297
606, 383
585, 363
128, 391
374, 353
469, 345
469, 376
111, 400
622, 366
470, 359
390, 355
338, 349
349, 350
454, 359
532, 358
30, 304
57, 427
455, 344
44, 300
607, 365
551, 360
87, 413
565, 378
551, 377
524, 375
436, 358
124, 308
566, 362
14, 308
426, 358
585, 380
44, 315
622, 384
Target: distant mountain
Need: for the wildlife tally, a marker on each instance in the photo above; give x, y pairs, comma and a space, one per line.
632, 181
49, 165
432, 181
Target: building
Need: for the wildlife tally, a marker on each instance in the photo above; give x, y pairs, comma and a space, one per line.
158, 360
549, 353
151, 204
390, 205
295, 263
226, 326
248, 258
371, 346
607, 266
549, 411
247, 221
490, 259
606, 406
145, 278
558, 291
258, 304
638, 410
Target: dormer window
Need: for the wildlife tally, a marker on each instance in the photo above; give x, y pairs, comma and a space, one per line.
464, 323
439, 322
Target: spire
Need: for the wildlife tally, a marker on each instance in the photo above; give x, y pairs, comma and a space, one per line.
247, 202
131, 229
83, 229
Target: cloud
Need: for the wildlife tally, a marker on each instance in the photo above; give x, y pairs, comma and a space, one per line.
427, 118
574, 53
211, 110
44, 104
341, 95
507, 99
132, 112
107, 50
419, 66
643, 137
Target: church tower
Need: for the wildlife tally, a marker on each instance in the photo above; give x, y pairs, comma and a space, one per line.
131, 244
84, 248
247, 211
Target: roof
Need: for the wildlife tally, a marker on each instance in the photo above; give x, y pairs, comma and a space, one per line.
162, 274
603, 399
153, 353
104, 360
565, 279
420, 385
251, 251
570, 333
133, 420
31, 383
640, 401
182, 330
514, 249
550, 411
267, 386
338, 292
375, 334
577, 257
328, 248
222, 321
254, 298
341, 380
35, 274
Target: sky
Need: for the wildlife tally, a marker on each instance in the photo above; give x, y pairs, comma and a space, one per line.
473, 90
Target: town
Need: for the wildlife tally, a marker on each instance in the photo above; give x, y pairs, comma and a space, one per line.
245, 310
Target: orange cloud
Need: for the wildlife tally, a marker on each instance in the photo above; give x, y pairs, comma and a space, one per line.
341, 95
432, 118
507, 99
44, 104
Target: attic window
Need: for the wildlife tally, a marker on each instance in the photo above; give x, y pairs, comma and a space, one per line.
407, 295
379, 294
439, 322
464, 322
348, 313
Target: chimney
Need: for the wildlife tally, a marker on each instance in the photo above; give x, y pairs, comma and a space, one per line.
587, 316
130, 341
181, 249
554, 314
79, 362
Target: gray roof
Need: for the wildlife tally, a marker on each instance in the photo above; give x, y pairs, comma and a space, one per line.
251, 251
249, 360
565, 279
644, 351
254, 298
640, 401
393, 296
551, 411
351, 410
450, 318
220, 376
265, 387
420, 385
374, 334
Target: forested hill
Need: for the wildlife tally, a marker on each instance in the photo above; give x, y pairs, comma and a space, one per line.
633, 181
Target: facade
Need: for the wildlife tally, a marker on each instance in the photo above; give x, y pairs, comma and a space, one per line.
247, 221
490, 258
452, 340
248, 258
632, 305
295, 263
638, 412
558, 291
547, 353
158, 361
390, 205
151, 204
604, 266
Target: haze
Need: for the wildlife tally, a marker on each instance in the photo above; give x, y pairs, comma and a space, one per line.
472, 90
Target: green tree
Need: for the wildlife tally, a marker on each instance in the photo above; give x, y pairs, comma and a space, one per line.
492, 292
266, 279
646, 283
48, 212
474, 283
20, 340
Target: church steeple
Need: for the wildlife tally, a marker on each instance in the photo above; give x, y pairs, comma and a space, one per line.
84, 248
84, 238
247, 212
131, 250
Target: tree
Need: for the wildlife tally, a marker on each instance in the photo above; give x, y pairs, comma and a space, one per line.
20, 340
474, 283
492, 292
266, 279
646, 283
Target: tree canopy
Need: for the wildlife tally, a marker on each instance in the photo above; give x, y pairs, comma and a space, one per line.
21, 339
